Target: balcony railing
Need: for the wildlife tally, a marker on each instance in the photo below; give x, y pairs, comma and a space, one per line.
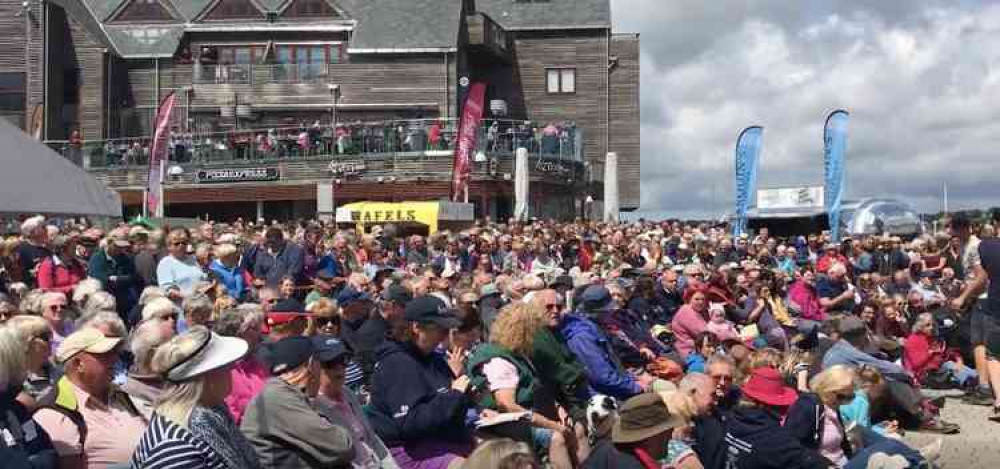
429, 138
249, 74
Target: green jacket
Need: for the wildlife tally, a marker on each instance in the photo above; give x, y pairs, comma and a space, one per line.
525, 393
559, 370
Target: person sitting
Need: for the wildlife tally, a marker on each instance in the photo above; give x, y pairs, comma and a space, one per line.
639, 436
25, 446
690, 320
35, 336
503, 370
191, 426
341, 406
91, 423
229, 273
590, 345
142, 384
418, 406
754, 433
280, 422
814, 419
707, 343
249, 373
924, 356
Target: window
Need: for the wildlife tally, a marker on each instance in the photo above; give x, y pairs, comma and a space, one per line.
560, 80
71, 87
230, 9
305, 62
11, 93
240, 55
144, 10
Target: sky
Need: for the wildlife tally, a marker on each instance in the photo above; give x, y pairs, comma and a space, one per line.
921, 80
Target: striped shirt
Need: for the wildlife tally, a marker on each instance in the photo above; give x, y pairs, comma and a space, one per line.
166, 445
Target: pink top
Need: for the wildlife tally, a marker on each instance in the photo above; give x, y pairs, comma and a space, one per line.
249, 377
687, 324
832, 438
113, 431
808, 301
723, 330
501, 374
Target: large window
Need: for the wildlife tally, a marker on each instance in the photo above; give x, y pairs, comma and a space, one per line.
560, 80
11, 93
240, 55
305, 62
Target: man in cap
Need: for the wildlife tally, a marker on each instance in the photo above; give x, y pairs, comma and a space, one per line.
908, 400
287, 318
323, 286
91, 422
639, 437
112, 266
590, 345
281, 423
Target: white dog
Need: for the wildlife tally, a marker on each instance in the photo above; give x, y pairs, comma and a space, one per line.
602, 411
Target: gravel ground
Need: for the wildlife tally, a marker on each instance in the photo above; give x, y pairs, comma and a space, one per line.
977, 446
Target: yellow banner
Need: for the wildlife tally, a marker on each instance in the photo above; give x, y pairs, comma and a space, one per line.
377, 213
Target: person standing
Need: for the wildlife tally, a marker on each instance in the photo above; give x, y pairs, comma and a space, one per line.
33, 248
179, 272
278, 259
61, 271
115, 270
976, 277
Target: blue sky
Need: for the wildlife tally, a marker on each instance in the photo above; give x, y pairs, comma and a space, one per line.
920, 78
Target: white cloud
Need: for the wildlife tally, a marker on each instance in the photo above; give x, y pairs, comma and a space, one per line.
922, 86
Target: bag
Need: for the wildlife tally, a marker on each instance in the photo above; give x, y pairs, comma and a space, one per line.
939, 379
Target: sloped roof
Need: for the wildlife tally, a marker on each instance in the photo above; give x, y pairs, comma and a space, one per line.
102, 9
271, 5
39, 180
547, 15
404, 24
145, 41
189, 9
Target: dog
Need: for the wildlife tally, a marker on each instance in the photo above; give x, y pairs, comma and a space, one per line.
602, 411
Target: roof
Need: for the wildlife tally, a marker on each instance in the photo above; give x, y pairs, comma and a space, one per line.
145, 41
31, 167
102, 9
398, 25
554, 14
190, 9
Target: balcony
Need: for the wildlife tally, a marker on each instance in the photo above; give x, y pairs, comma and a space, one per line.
555, 149
249, 74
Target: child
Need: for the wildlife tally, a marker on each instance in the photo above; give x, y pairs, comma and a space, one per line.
719, 325
705, 345
872, 387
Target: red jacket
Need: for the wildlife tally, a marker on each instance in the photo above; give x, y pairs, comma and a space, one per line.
921, 354
60, 278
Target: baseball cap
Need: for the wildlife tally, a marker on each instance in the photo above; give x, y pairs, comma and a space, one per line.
428, 309
214, 352
289, 353
596, 298
86, 340
329, 348
398, 294
349, 296
284, 312
562, 281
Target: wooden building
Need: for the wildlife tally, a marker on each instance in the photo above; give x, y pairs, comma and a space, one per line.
390, 73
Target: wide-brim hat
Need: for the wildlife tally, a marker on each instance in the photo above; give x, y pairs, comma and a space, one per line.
642, 417
214, 352
766, 386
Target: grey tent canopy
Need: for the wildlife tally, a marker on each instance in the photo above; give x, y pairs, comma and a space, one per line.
36, 180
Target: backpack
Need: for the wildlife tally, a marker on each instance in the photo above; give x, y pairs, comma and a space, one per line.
62, 400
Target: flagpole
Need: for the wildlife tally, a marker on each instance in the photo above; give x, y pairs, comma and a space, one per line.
161, 203
145, 203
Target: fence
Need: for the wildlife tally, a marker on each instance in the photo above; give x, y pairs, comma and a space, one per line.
423, 136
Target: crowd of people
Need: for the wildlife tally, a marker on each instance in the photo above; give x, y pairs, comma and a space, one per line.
505, 345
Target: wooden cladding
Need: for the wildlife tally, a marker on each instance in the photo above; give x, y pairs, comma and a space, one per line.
624, 130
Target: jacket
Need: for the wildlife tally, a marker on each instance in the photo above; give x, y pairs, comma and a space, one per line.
288, 262
757, 441
687, 324
710, 439
919, 357
249, 377
232, 279
127, 284
58, 276
806, 300
806, 423
607, 456
31, 448
524, 395
286, 432
412, 399
326, 409
559, 370
669, 302
593, 349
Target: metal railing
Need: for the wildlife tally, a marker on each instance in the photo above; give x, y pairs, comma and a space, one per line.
252, 74
431, 138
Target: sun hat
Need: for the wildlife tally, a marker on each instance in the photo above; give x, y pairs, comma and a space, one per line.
642, 417
765, 385
87, 340
214, 352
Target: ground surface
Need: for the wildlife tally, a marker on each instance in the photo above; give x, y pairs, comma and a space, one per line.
976, 447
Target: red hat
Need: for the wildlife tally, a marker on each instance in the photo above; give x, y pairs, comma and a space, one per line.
766, 386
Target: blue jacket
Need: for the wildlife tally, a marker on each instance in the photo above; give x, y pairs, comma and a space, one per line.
843, 353
757, 441
593, 349
806, 423
412, 399
232, 279
290, 262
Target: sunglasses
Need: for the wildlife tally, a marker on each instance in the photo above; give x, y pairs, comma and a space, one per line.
323, 322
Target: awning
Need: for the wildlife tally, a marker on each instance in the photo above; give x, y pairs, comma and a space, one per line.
425, 213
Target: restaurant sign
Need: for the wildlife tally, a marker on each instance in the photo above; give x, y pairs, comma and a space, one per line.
555, 168
347, 168
238, 175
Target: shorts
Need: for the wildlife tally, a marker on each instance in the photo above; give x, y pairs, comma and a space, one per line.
541, 438
981, 324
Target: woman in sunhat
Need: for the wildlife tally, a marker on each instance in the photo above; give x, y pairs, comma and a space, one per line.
754, 433
191, 426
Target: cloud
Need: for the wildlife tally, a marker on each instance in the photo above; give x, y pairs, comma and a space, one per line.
921, 80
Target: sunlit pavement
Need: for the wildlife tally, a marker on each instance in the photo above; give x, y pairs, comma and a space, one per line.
977, 446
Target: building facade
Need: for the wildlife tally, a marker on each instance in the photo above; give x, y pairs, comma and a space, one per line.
288, 107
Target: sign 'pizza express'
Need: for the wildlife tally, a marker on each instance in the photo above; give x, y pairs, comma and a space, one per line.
238, 175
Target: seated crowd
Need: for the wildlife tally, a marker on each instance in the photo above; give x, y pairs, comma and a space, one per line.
517, 345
